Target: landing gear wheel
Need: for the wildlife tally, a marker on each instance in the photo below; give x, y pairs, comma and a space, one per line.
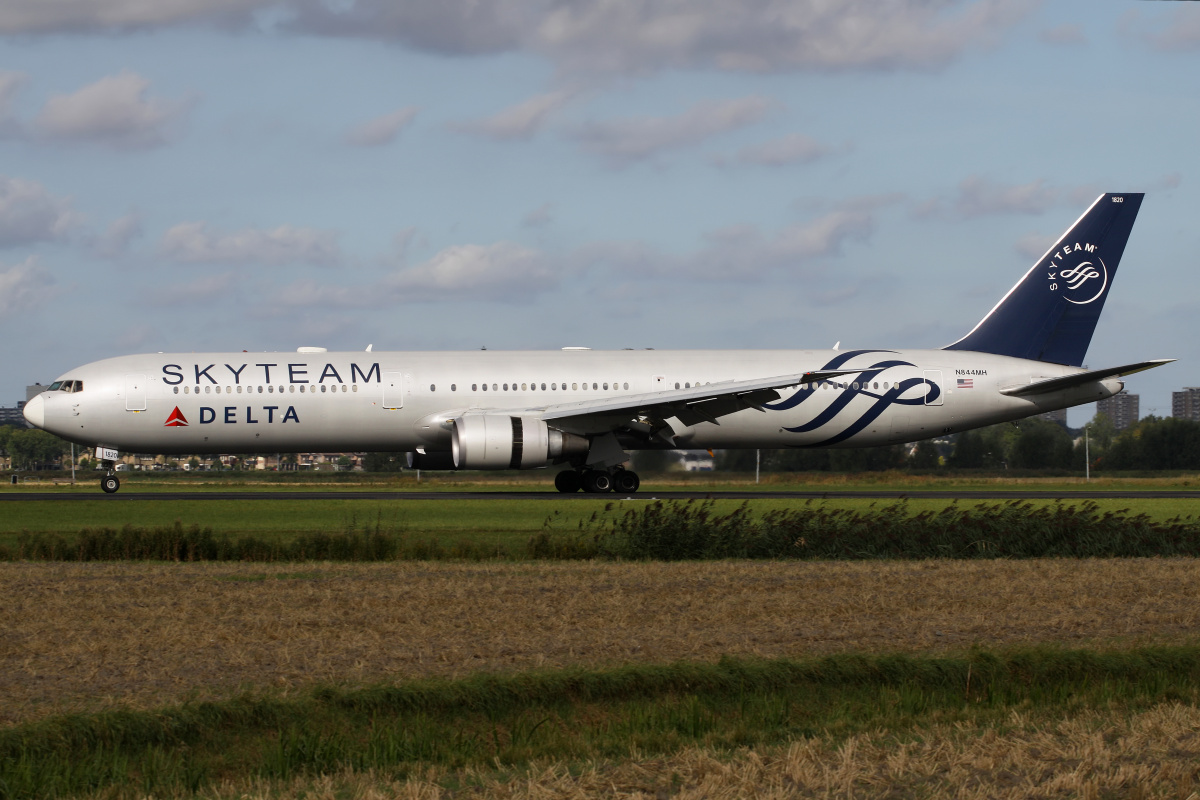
625, 482
567, 481
110, 483
596, 482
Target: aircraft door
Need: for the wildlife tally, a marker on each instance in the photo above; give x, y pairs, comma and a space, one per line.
135, 392
935, 395
393, 390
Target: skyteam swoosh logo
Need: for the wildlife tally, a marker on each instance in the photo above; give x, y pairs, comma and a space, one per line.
1077, 273
900, 393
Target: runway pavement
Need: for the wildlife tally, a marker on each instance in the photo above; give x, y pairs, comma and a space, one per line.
1004, 494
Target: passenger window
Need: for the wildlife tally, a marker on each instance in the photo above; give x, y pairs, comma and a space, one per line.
453, 387
433, 387
543, 387
176, 390
574, 386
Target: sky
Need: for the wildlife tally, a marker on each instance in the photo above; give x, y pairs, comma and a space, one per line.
227, 175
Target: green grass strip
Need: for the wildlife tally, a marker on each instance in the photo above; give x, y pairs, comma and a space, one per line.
569, 714
672, 531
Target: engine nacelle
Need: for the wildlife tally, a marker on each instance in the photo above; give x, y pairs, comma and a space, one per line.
439, 459
500, 441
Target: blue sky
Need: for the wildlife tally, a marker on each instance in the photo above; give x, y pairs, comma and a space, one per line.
446, 174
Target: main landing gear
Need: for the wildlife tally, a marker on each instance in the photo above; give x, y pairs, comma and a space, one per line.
597, 481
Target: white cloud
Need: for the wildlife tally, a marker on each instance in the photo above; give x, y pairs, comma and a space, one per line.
202, 289
1178, 31
10, 85
82, 16
624, 141
29, 213
502, 270
115, 241
540, 217
113, 111
742, 252
979, 197
381, 130
194, 242
790, 149
520, 121
585, 36
24, 287
768, 35
1034, 245
1064, 34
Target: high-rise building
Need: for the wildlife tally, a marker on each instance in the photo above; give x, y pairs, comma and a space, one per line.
13, 416
1059, 416
1186, 404
1121, 408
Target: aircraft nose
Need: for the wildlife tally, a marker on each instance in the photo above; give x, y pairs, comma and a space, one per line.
35, 411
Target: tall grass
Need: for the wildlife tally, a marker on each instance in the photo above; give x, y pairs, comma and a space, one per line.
673, 531
1015, 529
570, 714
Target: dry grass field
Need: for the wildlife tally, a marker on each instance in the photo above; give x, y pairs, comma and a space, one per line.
1153, 754
100, 635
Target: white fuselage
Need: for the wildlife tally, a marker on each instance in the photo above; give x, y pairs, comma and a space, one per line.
395, 401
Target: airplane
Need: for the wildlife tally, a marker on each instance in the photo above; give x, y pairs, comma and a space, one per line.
585, 410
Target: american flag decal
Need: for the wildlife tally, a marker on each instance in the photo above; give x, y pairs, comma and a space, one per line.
966, 383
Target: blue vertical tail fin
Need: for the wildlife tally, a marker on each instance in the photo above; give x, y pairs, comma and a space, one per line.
1051, 313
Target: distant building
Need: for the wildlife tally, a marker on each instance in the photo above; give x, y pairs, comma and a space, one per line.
1121, 408
13, 416
1186, 404
1059, 416
33, 391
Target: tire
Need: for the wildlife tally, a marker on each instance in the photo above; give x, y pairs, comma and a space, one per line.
596, 482
626, 482
110, 483
567, 481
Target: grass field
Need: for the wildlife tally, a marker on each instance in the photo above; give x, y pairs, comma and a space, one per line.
80, 637
282, 655
96, 659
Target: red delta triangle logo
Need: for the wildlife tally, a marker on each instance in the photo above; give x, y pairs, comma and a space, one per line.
176, 420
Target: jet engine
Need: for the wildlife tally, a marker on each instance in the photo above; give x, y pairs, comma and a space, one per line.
500, 441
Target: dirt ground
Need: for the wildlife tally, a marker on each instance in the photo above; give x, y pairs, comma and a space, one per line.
82, 637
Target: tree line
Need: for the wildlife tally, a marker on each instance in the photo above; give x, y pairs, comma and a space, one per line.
1154, 443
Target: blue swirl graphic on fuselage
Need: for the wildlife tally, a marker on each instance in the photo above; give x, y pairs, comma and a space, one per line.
890, 397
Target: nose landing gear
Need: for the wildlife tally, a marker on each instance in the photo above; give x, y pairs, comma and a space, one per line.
110, 482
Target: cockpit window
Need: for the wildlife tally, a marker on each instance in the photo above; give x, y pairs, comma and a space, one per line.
78, 387
54, 387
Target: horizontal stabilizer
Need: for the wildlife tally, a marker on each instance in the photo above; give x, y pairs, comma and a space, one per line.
1081, 378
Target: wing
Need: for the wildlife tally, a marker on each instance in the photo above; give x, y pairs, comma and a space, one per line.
647, 414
